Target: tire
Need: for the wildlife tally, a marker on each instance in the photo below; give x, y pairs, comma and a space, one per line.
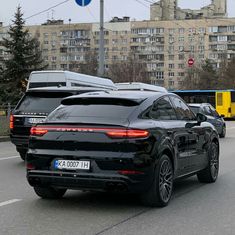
22, 155
223, 133
160, 192
210, 174
49, 192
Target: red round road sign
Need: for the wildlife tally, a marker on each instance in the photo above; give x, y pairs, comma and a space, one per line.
190, 62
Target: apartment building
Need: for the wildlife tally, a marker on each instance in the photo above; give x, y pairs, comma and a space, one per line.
169, 10
63, 46
166, 46
3, 34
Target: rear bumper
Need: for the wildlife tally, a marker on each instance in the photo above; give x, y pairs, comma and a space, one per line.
87, 181
20, 141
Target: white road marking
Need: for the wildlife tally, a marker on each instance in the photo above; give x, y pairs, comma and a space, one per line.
9, 202
6, 158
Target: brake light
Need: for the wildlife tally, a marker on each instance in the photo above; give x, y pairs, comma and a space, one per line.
38, 131
11, 125
130, 172
30, 166
122, 133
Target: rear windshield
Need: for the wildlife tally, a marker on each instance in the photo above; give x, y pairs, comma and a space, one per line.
95, 109
195, 109
41, 102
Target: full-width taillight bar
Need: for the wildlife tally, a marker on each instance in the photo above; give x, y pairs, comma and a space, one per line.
115, 133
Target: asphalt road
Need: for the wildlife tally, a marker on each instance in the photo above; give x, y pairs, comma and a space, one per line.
195, 208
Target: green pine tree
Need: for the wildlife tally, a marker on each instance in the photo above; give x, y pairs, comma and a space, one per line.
24, 57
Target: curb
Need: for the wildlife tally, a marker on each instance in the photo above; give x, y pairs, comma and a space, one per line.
4, 138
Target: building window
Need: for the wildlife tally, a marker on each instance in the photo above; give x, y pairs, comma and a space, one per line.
190, 38
181, 30
181, 56
171, 31
181, 74
115, 41
63, 66
222, 38
201, 48
171, 49
171, 39
171, 74
160, 75
192, 30
201, 38
201, 56
181, 66
171, 66
181, 39
171, 57
53, 58
191, 48
181, 48
202, 30
213, 29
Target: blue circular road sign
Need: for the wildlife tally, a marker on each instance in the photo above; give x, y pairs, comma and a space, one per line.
83, 3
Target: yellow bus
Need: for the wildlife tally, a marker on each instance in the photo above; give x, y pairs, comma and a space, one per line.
222, 100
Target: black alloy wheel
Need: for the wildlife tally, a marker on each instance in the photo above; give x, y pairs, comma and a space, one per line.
161, 190
165, 181
210, 174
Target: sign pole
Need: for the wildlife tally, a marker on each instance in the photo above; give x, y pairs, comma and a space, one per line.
101, 46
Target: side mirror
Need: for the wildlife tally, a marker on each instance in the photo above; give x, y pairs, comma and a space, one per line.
222, 116
201, 118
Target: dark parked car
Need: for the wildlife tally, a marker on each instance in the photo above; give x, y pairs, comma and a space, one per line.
33, 108
212, 116
123, 141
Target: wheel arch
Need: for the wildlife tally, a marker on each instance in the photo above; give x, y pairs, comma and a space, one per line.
169, 153
216, 141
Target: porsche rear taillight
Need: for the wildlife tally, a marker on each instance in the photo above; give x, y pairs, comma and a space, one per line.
125, 133
37, 131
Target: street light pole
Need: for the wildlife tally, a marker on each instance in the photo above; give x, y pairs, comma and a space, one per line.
101, 46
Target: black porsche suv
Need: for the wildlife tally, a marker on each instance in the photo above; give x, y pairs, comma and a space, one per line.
121, 141
33, 108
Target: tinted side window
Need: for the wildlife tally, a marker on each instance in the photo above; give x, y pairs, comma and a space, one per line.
207, 111
162, 110
182, 110
214, 112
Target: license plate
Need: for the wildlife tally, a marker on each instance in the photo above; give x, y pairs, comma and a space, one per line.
71, 165
36, 120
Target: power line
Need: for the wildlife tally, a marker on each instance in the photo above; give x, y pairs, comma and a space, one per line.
141, 3
39, 13
148, 1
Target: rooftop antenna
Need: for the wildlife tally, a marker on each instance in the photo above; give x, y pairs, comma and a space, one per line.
52, 14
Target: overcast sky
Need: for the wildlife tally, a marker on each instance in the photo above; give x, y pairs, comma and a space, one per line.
70, 10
